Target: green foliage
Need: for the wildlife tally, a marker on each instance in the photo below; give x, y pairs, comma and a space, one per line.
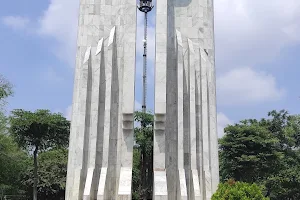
13, 163
5, 88
238, 191
285, 184
144, 133
247, 152
143, 156
266, 152
5, 91
40, 129
3, 123
136, 174
52, 173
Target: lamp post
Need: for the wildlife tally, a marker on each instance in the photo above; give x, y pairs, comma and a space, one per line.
145, 6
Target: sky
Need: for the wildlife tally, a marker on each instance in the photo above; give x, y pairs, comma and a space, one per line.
257, 56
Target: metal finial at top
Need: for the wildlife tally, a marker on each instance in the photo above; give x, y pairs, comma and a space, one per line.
145, 6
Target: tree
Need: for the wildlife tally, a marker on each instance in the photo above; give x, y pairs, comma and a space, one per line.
136, 174
12, 158
39, 131
247, 151
285, 184
52, 174
5, 88
144, 139
13, 162
232, 190
5, 91
266, 152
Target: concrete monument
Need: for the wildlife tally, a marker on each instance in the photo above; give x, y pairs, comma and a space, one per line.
101, 139
185, 135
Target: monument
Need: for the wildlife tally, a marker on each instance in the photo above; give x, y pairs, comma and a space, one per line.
185, 135
185, 129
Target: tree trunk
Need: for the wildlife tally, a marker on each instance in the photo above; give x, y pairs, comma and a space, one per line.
144, 175
35, 178
150, 171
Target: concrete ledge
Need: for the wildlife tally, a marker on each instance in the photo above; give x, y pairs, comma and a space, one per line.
160, 190
124, 192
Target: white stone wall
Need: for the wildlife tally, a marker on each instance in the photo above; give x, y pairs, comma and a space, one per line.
101, 139
185, 136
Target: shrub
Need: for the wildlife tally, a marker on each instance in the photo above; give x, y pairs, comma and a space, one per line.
232, 190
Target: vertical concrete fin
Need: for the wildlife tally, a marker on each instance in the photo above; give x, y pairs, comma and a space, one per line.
194, 192
115, 125
199, 142
96, 123
160, 189
104, 172
127, 112
214, 161
81, 150
180, 110
181, 181
192, 105
205, 125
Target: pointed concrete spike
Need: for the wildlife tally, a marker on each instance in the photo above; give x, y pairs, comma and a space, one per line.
179, 39
111, 36
203, 54
87, 54
191, 46
99, 46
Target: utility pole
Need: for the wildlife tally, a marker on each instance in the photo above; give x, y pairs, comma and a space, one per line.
145, 6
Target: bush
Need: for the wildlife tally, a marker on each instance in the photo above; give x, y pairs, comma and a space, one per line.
232, 190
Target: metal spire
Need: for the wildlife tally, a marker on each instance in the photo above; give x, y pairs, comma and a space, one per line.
145, 6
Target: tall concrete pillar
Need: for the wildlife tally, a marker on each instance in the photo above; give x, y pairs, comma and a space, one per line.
101, 139
185, 101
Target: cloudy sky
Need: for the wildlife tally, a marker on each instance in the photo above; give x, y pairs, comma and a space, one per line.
257, 56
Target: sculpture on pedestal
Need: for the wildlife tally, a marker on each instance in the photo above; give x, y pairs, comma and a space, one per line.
185, 136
